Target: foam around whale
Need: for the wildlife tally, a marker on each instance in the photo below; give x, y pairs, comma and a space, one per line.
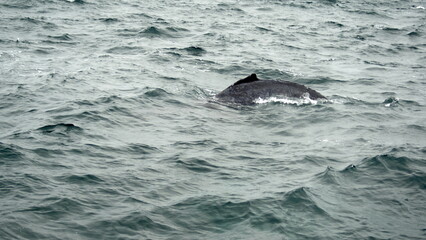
246, 91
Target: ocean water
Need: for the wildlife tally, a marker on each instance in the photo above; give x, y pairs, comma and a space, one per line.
109, 128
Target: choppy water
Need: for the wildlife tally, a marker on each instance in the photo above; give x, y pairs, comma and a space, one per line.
109, 128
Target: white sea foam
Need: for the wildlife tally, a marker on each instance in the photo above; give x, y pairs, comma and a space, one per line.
291, 101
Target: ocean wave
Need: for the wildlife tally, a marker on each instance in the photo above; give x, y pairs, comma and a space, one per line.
300, 199
126, 50
91, 116
48, 153
328, 177
213, 214
197, 165
155, 32
10, 152
389, 168
192, 50
134, 225
60, 128
136, 149
386, 163
155, 93
56, 208
208, 213
86, 179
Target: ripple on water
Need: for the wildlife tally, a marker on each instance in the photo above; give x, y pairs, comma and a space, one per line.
60, 128
133, 225
9, 152
156, 32
209, 213
197, 165
155, 93
56, 208
126, 50
85, 179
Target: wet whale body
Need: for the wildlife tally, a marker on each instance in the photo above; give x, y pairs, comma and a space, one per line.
246, 91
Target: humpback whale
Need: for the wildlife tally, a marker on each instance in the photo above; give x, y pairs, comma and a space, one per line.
246, 91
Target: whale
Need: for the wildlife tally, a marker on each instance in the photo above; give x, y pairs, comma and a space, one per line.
248, 90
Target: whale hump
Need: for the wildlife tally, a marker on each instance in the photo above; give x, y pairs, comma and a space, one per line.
247, 90
249, 79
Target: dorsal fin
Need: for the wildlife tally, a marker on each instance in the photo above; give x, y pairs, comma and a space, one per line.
251, 78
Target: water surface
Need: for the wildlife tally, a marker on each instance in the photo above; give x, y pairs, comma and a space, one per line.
109, 128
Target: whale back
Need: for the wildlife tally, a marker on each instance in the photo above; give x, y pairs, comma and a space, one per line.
248, 90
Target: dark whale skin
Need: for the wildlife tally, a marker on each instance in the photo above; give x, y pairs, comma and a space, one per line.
246, 91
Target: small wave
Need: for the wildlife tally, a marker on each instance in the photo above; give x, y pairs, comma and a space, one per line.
214, 213
93, 116
194, 144
108, 20
391, 29
200, 93
134, 225
366, 12
329, 1
197, 165
59, 42
271, 73
231, 69
156, 32
24, 184
387, 162
60, 128
44, 51
263, 9
152, 30
416, 33
136, 149
56, 208
31, 20
417, 179
155, 93
300, 199
9, 152
192, 50
262, 29
18, 5
126, 50
19, 228
336, 24
43, 23
319, 80
177, 29
390, 168
142, 149
80, 179
47, 153
140, 15
349, 168
328, 177
417, 127
195, 51
63, 37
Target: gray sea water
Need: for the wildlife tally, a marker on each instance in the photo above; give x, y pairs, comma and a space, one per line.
109, 128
